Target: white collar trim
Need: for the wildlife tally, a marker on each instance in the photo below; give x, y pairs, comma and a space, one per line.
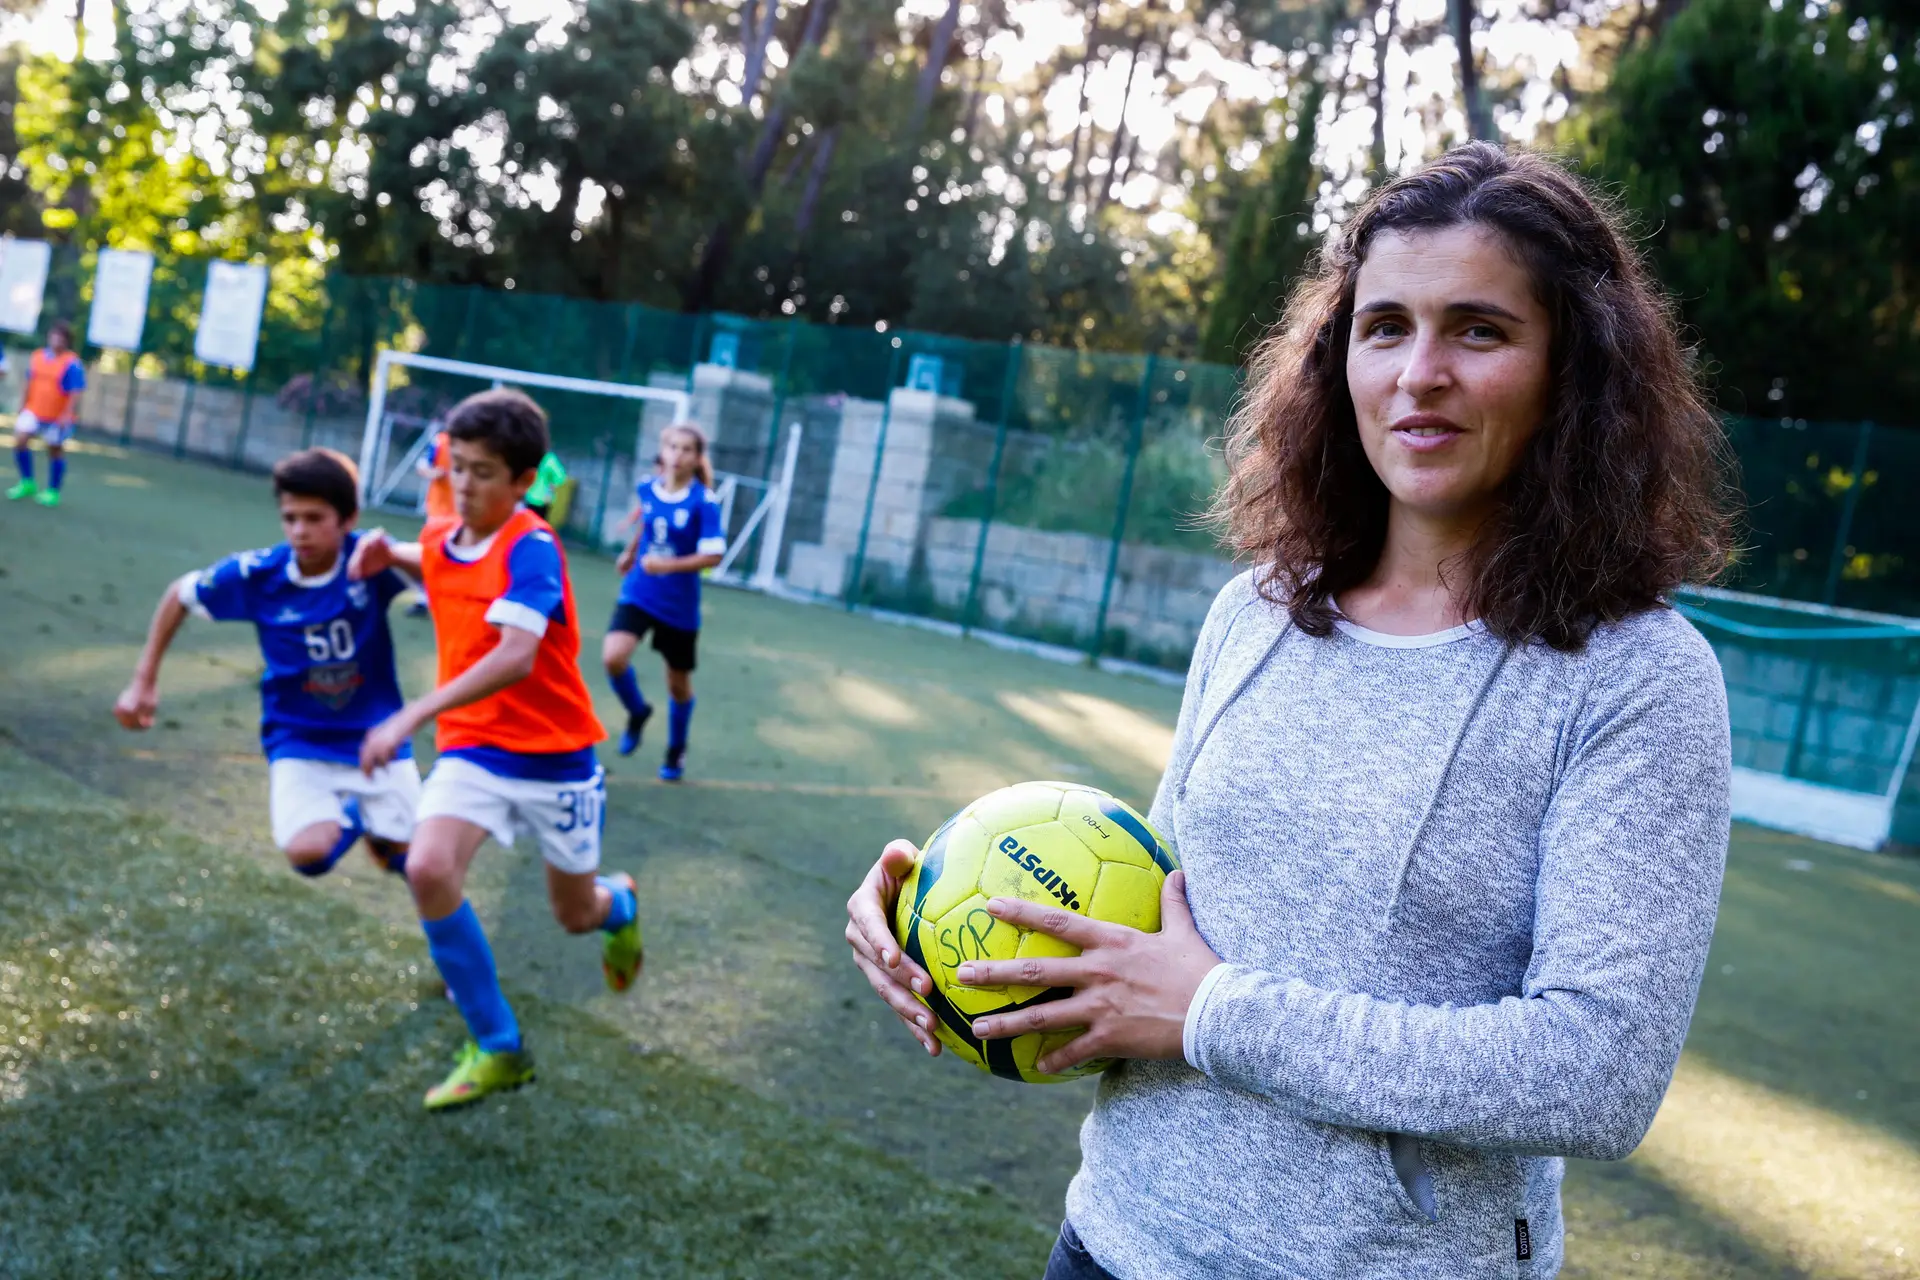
467, 555
299, 579
1382, 640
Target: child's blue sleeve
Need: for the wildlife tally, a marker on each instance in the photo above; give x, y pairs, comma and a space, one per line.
536, 586
713, 538
387, 584
74, 379
221, 591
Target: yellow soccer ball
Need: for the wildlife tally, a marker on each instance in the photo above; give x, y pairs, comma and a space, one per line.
1057, 844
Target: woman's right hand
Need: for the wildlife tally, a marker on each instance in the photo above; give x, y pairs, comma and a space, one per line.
623, 563
894, 978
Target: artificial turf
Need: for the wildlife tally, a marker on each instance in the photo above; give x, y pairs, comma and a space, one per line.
231, 1084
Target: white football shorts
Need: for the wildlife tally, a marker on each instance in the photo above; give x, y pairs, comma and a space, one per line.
26, 426
303, 792
563, 817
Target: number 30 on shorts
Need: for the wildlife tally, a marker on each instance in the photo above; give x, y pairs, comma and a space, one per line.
582, 809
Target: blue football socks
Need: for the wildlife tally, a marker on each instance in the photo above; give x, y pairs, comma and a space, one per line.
627, 686
679, 719
623, 908
56, 471
459, 948
350, 831
23, 459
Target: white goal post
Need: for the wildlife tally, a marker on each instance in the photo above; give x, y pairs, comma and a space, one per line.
383, 475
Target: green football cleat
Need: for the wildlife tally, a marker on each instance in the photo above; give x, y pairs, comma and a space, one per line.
25, 489
478, 1073
48, 497
621, 952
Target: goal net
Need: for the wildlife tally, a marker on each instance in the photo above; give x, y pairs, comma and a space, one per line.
604, 433
1824, 704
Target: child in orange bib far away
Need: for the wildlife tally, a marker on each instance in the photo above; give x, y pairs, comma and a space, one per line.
434, 469
55, 379
516, 730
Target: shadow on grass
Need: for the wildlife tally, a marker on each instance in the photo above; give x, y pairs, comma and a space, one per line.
209, 1072
1624, 1222
748, 988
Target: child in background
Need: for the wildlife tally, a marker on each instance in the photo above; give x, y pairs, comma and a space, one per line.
516, 731
679, 524
546, 482
55, 379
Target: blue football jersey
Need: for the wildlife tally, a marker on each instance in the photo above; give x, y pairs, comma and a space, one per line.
329, 653
686, 525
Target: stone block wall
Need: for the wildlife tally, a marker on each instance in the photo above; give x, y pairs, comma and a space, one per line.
932, 450
1047, 584
1857, 719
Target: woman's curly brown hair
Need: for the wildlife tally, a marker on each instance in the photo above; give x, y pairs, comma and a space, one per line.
1619, 497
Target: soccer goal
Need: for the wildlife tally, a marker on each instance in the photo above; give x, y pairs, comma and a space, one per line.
600, 433
1824, 704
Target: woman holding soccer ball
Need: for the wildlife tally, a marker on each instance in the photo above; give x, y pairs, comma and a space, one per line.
1449, 783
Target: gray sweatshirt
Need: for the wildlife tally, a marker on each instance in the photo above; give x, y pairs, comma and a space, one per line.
1463, 895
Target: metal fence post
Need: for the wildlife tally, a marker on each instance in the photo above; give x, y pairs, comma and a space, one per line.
319, 373
1009, 386
790, 328
133, 392
1856, 481
133, 371
1836, 567
466, 324
239, 458
873, 485
186, 412
606, 467
1141, 406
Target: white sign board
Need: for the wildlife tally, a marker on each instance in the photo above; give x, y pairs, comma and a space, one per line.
121, 279
23, 283
230, 314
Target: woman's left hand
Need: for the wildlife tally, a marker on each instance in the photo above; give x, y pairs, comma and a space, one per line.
1131, 989
654, 566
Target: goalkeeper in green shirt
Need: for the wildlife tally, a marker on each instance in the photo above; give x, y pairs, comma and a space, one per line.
546, 482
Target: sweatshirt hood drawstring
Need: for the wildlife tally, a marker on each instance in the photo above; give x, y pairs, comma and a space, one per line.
1433, 796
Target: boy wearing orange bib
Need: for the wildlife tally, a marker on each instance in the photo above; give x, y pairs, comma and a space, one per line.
516, 730
55, 379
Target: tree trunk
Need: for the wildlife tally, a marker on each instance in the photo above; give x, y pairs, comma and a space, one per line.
1383, 40
937, 53
1080, 121
719, 246
1479, 124
756, 37
816, 177
1120, 131
1121, 144
613, 238
972, 111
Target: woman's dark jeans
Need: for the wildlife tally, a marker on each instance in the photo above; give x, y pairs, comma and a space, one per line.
1071, 1261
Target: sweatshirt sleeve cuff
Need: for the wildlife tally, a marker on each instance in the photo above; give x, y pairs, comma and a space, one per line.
1190, 1032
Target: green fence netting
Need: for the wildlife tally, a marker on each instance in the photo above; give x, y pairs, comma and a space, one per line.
1051, 494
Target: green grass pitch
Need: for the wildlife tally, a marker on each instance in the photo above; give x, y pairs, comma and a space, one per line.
209, 1067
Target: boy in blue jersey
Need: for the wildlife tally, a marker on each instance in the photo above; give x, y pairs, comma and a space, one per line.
678, 521
330, 673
